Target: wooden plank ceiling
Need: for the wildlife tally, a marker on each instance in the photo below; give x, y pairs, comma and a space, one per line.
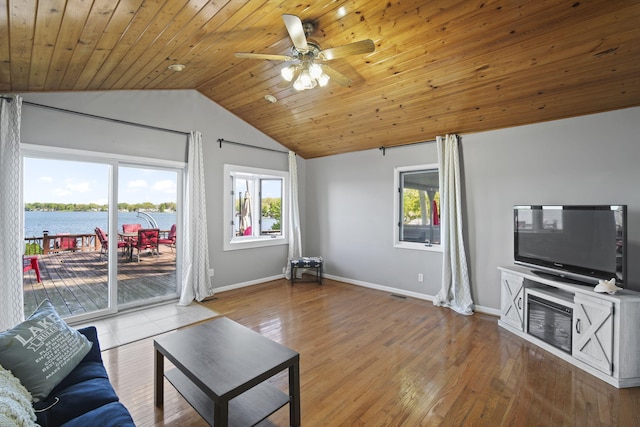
450, 66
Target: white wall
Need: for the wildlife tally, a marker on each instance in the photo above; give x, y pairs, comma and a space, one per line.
347, 202
177, 110
585, 160
350, 211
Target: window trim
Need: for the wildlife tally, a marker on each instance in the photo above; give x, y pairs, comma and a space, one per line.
230, 242
397, 199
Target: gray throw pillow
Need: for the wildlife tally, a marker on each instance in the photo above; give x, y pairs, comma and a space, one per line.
42, 350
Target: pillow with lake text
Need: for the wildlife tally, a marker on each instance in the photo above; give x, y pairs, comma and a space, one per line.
42, 350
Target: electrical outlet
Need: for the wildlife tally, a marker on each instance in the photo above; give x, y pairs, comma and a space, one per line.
420, 277
211, 272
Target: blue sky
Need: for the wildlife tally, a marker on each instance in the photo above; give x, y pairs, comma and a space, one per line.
62, 181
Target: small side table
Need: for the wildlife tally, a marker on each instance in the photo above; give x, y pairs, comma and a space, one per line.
307, 262
230, 386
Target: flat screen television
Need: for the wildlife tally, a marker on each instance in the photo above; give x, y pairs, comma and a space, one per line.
584, 243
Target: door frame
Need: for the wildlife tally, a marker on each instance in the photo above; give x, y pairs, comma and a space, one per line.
114, 161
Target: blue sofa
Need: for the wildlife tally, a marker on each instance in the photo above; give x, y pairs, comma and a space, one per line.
85, 397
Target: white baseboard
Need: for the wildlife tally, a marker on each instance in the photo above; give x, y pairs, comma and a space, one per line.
389, 289
249, 283
397, 291
403, 292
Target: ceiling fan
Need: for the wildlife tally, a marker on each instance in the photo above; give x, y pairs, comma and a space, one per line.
305, 72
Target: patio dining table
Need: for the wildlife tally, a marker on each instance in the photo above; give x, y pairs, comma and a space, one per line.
130, 238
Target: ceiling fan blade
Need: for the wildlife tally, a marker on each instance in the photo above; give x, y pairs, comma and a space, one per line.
336, 76
357, 48
264, 56
296, 32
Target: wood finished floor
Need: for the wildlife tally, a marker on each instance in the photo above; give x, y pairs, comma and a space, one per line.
368, 358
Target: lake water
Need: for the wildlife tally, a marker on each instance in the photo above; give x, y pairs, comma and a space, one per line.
86, 222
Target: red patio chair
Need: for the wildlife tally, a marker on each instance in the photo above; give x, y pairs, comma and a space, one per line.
104, 242
31, 263
66, 243
131, 228
147, 240
171, 238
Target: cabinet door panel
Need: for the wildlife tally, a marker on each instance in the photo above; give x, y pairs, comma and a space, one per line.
512, 300
593, 333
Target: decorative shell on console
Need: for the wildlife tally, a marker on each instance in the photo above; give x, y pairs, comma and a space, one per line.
607, 286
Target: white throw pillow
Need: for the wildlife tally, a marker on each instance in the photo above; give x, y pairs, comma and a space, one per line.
15, 402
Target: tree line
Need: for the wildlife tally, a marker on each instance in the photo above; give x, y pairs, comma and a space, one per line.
93, 207
272, 208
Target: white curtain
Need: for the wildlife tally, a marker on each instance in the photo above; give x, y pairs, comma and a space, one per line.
295, 241
456, 291
11, 214
196, 283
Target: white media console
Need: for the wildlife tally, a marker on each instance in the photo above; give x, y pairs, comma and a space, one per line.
604, 336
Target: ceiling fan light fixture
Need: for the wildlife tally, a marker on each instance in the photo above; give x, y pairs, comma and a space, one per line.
315, 71
287, 72
304, 81
323, 80
297, 85
304, 72
312, 75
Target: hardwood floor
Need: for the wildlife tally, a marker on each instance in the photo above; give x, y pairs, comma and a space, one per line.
371, 358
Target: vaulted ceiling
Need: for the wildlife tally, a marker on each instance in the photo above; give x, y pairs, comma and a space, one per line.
451, 66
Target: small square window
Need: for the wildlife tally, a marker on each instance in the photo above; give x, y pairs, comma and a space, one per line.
417, 207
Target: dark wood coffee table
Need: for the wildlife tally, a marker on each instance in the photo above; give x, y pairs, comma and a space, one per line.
221, 369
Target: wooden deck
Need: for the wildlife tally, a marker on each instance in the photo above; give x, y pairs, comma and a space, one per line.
76, 282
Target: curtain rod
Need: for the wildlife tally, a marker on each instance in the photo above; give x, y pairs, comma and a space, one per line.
384, 149
221, 140
93, 116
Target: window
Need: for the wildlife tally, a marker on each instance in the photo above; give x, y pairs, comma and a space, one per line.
417, 209
255, 207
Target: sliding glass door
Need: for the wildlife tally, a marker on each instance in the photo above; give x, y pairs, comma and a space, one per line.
65, 203
147, 200
83, 216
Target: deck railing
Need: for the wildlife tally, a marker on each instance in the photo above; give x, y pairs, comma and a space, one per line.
54, 243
